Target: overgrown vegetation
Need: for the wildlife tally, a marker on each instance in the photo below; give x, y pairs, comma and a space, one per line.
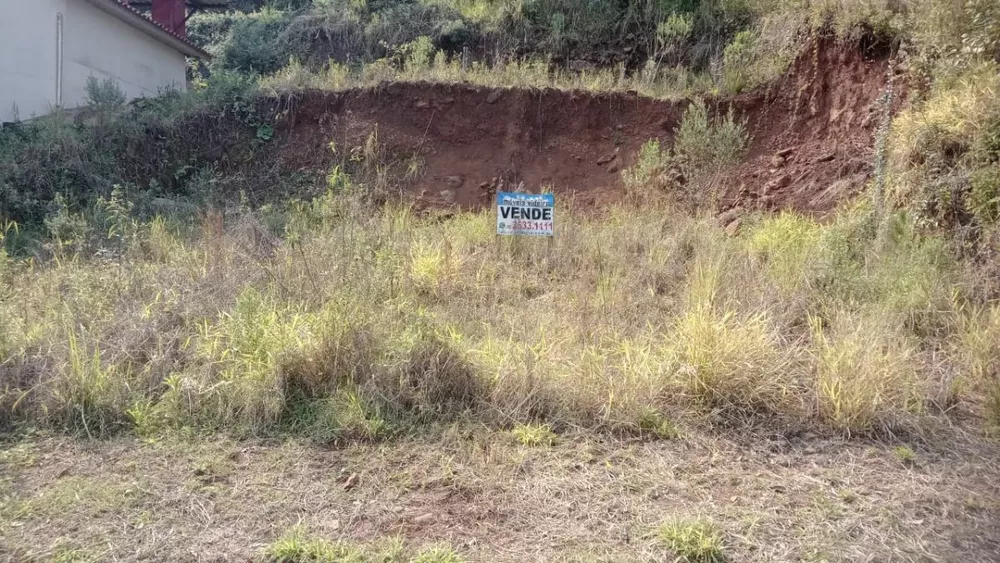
166, 293
344, 321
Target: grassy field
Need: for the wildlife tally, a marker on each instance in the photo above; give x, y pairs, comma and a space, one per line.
192, 373
340, 380
357, 322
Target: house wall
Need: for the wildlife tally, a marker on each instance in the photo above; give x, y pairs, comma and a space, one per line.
95, 43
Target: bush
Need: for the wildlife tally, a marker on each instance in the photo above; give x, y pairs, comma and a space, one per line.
703, 141
254, 43
655, 173
737, 59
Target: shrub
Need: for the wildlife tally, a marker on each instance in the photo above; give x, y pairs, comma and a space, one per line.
254, 43
654, 174
104, 95
737, 59
703, 141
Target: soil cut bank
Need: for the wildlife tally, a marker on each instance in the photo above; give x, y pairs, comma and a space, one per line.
811, 134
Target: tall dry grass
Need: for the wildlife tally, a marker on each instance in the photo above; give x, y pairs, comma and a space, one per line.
343, 320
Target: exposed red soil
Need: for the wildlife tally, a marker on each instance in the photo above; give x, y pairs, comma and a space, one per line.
820, 117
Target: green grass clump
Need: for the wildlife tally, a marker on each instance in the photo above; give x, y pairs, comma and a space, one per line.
655, 423
297, 545
437, 554
694, 541
905, 454
787, 245
534, 435
864, 381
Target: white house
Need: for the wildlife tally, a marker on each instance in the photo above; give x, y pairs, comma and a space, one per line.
48, 49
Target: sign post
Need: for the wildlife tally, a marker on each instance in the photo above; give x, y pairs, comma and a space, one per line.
526, 214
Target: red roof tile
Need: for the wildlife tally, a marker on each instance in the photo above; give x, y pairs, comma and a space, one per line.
200, 52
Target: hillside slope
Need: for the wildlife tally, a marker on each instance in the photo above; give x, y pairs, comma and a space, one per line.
469, 139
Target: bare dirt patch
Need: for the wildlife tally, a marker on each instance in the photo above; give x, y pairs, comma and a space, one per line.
811, 134
587, 498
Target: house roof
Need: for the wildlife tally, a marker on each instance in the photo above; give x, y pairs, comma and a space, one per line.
204, 4
140, 21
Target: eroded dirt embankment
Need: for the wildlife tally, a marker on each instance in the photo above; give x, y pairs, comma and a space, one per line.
811, 134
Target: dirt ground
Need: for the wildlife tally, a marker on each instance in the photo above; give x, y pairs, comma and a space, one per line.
587, 498
811, 134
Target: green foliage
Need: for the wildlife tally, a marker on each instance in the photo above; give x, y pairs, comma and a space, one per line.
737, 60
534, 435
694, 541
253, 42
905, 454
984, 195
983, 33
248, 349
703, 141
104, 95
297, 545
656, 423
344, 416
788, 245
66, 228
671, 31
437, 554
655, 173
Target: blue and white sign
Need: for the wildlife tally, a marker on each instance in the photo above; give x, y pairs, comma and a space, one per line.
526, 214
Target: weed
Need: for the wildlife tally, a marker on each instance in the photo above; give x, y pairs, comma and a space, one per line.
297, 546
347, 416
653, 422
726, 360
788, 245
77, 495
848, 496
984, 194
437, 554
360, 322
863, 382
534, 435
694, 541
905, 454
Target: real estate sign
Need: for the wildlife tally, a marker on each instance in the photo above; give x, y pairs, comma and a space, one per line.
526, 214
